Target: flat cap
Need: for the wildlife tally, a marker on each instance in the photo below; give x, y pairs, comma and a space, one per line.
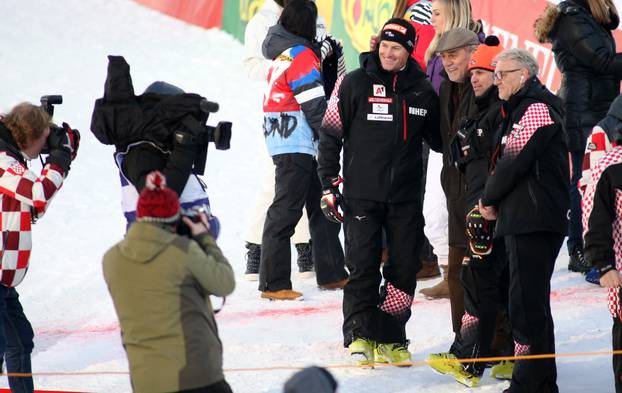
456, 38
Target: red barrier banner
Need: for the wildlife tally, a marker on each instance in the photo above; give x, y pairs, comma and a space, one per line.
204, 13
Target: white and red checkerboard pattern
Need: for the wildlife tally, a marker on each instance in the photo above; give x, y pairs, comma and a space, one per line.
469, 323
332, 119
521, 349
22, 193
396, 302
535, 117
600, 154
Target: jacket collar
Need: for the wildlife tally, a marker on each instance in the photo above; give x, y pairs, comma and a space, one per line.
8, 143
404, 79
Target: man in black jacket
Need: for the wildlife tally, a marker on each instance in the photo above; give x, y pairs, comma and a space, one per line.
527, 193
379, 114
484, 265
456, 98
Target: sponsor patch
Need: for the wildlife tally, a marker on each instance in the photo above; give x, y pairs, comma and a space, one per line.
417, 111
396, 27
516, 130
380, 108
380, 100
375, 117
379, 91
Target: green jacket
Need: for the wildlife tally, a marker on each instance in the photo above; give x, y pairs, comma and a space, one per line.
160, 284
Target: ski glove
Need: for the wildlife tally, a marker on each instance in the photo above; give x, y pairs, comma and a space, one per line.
332, 200
479, 231
64, 138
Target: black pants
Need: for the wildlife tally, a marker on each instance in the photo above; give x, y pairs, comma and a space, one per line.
297, 185
218, 387
616, 333
531, 259
362, 296
481, 280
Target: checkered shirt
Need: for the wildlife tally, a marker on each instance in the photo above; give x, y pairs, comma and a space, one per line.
332, 119
596, 147
396, 302
24, 197
535, 117
599, 160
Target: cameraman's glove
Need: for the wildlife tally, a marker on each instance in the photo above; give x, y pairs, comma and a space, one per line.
332, 200
64, 138
479, 231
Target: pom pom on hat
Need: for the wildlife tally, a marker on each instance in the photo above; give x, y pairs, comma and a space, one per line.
484, 55
157, 203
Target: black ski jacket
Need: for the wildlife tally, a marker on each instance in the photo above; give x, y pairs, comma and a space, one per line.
379, 118
585, 53
457, 101
530, 181
603, 224
472, 149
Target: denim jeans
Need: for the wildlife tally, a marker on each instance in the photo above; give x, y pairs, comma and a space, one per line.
16, 340
575, 228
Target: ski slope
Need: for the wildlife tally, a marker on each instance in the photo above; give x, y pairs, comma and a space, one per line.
60, 47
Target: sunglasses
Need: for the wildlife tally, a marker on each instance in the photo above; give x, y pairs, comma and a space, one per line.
500, 75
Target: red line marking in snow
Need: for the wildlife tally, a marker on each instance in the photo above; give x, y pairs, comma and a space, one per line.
41, 391
61, 331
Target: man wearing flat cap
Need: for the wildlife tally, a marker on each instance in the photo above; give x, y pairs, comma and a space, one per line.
457, 101
379, 114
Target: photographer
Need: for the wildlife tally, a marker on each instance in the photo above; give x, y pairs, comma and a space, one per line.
24, 197
160, 284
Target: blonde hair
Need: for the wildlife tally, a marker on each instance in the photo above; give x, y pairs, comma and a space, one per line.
458, 14
26, 123
600, 10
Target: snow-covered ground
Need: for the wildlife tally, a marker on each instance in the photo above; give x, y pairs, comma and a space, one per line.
60, 47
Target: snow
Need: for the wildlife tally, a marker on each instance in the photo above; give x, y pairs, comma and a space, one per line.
56, 47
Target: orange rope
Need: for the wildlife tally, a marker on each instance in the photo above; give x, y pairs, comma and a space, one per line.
341, 366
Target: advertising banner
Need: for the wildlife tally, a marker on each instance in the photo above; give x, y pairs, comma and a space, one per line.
355, 21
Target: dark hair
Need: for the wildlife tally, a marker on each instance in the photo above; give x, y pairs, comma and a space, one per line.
299, 17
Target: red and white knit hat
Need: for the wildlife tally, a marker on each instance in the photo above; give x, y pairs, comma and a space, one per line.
157, 203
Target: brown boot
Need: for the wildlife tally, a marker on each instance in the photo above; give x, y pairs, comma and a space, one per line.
429, 269
283, 294
334, 285
440, 290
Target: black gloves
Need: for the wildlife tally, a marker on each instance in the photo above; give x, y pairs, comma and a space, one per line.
479, 231
332, 200
63, 144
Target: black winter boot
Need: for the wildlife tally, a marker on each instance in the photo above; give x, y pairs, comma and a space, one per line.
305, 260
253, 255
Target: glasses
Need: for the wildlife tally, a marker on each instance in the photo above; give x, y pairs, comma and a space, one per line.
500, 75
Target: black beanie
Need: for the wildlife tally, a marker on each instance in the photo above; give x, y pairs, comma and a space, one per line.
400, 31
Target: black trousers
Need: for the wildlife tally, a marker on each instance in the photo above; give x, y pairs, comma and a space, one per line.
362, 296
482, 281
297, 185
616, 333
531, 259
218, 387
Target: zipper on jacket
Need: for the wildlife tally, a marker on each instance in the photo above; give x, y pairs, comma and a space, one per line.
532, 195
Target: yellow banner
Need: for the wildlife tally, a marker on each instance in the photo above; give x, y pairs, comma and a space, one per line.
364, 18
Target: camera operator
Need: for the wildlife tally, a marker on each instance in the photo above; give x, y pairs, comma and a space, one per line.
176, 163
159, 282
24, 197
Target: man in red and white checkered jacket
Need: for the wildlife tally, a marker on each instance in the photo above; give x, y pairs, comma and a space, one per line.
528, 188
24, 197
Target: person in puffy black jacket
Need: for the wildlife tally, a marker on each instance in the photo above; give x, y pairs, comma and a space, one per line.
528, 187
585, 52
